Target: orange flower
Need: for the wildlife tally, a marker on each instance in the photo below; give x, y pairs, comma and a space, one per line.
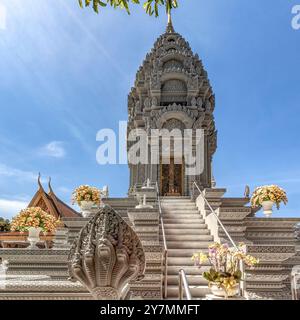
34, 217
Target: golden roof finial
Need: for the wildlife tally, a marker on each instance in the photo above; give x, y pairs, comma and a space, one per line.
39, 181
49, 186
170, 28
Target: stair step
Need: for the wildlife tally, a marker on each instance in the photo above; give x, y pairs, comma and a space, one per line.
185, 252
187, 237
183, 261
188, 244
181, 211
189, 270
175, 197
186, 226
183, 220
196, 291
184, 232
182, 215
197, 280
179, 207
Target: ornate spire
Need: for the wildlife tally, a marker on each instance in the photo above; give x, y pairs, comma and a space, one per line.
170, 28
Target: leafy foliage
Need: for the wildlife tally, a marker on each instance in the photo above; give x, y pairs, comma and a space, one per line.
151, 6
4, 225
225, 264
218, 277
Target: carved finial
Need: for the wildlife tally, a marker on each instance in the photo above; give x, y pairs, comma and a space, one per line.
247, 192
170, 28
49, 185
39, 181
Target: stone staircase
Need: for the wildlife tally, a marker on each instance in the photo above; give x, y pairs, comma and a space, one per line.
186, 233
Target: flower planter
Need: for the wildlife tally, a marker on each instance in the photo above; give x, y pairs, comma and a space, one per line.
86, 208
268, 208
88, 198
33, 236
220, 292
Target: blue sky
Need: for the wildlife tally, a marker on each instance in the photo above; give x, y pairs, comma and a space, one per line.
65, 74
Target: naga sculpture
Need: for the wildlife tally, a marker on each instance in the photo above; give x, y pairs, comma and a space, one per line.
106, 256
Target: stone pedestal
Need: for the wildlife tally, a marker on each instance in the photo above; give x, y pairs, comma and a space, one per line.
146, 224
60, 240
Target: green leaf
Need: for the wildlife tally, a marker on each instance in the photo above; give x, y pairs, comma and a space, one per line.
151, 6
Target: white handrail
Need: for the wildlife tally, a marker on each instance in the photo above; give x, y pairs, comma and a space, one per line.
183, 283
215, 215
242, 267
165, 244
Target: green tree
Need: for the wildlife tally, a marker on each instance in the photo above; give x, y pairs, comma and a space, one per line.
151, 6
4, 225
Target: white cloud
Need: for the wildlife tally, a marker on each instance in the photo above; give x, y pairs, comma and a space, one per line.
2, 17
10, 208
53, 149
7, 171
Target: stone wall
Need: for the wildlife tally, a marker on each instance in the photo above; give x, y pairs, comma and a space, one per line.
272, 240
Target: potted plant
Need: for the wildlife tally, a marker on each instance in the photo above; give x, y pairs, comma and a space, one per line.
34, 220
267, 196
224, 276
86, 197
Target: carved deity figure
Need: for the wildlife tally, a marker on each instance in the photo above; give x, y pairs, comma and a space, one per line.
194, 102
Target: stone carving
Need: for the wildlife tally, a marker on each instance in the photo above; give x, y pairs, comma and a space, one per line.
247, 192
155, 82
200, 104
173, 65
193, 83
194, 102
198, 123
106, 256
147, 103
173, 86
174, 124
297, 231
154, 101
138, 107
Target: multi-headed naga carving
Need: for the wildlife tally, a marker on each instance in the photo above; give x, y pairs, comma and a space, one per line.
106, 255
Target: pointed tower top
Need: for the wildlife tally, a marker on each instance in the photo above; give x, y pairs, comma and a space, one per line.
170, 28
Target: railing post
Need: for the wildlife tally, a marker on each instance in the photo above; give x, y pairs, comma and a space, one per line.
183, 283
165, 280
180, 286
243, 282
